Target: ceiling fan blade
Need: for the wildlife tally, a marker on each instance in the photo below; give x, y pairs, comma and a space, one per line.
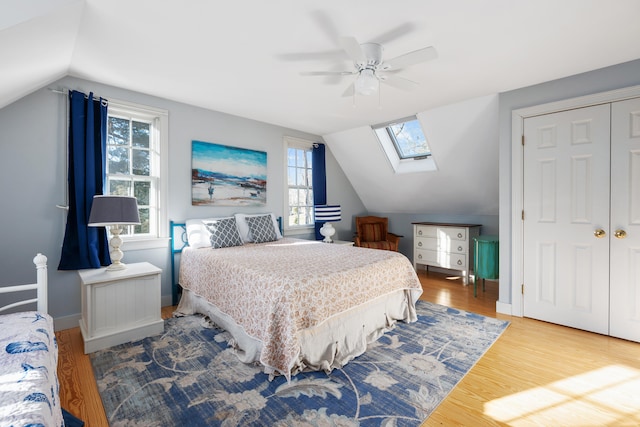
350, 91
394, 33
327, 73
411, 58
326, 24
398, 82
353, 49
328, 55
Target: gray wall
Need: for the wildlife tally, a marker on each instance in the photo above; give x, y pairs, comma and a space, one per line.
32, 173
602, 80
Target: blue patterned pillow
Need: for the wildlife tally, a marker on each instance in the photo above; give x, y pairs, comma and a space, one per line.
261, 229
224, 233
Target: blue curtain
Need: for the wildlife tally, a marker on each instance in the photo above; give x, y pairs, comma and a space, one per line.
319, 177
83, 246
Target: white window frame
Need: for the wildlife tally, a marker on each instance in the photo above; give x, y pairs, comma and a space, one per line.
399, 165
159, 233
299, 143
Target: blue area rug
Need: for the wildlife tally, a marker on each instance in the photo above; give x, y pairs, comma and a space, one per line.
189, 376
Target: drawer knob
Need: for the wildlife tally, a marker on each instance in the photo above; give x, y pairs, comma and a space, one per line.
459, 248
419, 232
419, 256
419, 243
460, 235
459, 262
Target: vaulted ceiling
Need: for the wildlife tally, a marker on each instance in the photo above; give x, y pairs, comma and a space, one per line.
248, 57
245, 57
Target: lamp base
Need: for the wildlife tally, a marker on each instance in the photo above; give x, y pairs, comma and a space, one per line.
117, 266
327, 231
115, 252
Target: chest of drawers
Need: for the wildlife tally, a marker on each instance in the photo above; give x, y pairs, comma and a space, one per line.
444, 245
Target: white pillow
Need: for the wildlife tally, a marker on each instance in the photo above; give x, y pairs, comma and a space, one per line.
198, 236
243, 227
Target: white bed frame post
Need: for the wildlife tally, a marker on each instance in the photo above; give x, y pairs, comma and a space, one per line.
40, 287
41, 281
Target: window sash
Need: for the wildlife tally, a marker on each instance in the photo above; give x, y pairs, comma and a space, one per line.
299, 184
390, 129
151, 209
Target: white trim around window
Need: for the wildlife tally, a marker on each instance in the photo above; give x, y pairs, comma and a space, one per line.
160, 237
293, 142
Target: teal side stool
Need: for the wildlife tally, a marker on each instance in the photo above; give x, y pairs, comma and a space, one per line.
485, 260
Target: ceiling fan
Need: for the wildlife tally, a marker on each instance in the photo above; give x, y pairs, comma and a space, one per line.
370, 69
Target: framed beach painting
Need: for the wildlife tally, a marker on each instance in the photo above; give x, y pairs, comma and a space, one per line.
227, 176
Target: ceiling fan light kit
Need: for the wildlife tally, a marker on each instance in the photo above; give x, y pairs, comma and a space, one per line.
367, 83
371, 70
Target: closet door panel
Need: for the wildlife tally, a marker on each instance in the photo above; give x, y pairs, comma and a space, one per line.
625, 220
566, 200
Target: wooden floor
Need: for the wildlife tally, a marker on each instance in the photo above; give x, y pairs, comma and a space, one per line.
535, 374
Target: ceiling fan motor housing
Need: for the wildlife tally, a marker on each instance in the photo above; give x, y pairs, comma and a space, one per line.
373, 53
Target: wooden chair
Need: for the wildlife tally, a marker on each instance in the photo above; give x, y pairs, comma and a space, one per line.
372, 232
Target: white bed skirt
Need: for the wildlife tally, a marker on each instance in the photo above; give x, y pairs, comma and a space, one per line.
329, 345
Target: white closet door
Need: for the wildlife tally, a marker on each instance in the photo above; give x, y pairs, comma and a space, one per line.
566, 201
625, 220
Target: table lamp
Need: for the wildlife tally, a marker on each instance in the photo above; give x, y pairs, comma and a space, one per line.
328, 214
114, 212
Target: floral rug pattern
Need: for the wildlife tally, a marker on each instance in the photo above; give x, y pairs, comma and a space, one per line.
189, 376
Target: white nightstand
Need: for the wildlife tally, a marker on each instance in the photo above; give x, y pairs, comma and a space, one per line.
120, 306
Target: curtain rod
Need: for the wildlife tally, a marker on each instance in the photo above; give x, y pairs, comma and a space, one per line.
66, 92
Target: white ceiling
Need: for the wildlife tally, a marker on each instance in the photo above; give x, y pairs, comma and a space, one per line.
245, 57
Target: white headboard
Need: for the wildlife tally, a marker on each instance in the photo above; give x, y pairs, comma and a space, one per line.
40, 287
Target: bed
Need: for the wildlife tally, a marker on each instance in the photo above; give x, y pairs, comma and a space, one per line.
293, 305
29, 390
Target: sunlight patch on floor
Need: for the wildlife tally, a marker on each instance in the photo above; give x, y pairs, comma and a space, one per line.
595, 398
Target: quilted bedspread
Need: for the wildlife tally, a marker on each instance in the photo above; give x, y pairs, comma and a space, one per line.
29, 391
275, 289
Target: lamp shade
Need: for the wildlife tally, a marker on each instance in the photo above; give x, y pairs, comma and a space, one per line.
327, 213
113, 210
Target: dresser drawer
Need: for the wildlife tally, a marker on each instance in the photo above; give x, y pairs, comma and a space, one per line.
426, 243
443, 245
453, 233
426, 231
441, 233
441, 259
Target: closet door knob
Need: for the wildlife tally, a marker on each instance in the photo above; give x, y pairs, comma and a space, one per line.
599, 233
620, 234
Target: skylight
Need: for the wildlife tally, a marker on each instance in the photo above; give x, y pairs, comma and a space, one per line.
408, 138
405, 145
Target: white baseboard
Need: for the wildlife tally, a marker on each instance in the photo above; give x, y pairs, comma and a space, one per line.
66, 322
166, 300
503, 308
73, 321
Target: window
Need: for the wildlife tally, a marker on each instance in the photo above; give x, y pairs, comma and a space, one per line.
299, 184
408, 138
136, 142
405, 145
